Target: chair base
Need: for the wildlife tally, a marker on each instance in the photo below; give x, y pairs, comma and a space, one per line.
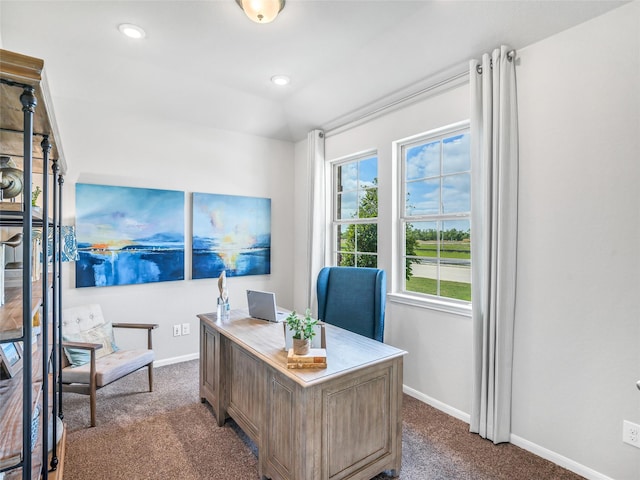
91, 390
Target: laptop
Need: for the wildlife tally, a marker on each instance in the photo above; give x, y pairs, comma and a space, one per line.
262, 305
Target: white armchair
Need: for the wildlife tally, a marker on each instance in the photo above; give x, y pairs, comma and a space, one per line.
92, 360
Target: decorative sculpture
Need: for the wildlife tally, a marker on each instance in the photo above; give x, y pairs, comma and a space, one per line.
10, 178
223, 299
13, 242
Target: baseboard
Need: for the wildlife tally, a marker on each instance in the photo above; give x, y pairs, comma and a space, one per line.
558, 459
542, 452
172, 360
454, 412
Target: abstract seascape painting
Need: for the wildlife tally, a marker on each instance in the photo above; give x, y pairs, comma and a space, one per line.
231, 233
128, 235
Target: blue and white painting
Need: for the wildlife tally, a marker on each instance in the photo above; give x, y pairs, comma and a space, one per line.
128, 235
231, 233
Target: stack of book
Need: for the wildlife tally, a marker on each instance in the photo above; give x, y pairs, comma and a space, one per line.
316, 358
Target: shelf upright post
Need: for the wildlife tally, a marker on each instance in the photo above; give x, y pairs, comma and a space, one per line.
58, 292
46, 149
57, 321
48, 358
29, 102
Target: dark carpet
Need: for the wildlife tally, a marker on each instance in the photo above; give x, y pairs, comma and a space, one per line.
170, 434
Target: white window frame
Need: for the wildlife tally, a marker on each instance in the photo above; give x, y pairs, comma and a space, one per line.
398, 294
334, 221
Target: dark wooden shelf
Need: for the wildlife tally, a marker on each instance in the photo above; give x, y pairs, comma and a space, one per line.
14, 218
11, 419
11, 311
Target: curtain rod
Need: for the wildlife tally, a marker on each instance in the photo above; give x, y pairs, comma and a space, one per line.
511, 55
332, 130
396, 103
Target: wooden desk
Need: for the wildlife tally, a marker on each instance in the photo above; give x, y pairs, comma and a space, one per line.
342, 422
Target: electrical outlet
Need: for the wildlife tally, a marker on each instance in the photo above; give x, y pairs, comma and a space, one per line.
631, 433
176, 330
186, 328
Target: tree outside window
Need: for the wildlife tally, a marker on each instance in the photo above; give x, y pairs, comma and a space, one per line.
356, 212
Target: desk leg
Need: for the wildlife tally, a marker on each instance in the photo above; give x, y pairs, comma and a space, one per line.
220, 405
221, 419
212, 377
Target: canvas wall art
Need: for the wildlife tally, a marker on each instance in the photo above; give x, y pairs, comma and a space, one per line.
128, 235
232, 234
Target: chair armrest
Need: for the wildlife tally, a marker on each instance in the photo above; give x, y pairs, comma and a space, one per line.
92, 347
82, 345
148, 326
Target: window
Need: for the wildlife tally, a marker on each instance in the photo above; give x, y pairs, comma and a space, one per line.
436, 214
355, 212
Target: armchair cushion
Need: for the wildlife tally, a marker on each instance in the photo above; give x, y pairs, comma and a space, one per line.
86, 324
108, 369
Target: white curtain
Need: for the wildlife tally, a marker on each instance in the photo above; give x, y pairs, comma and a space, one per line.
494, 160
317, 209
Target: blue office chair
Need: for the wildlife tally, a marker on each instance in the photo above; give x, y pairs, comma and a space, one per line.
353, 298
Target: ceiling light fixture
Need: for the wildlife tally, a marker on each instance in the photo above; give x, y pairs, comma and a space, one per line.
131, 31
261, 11
281, 80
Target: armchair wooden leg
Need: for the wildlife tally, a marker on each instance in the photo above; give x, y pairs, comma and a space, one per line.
92, 399
150, 368
92, 388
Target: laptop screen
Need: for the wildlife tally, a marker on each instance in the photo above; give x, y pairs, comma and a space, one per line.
262, 305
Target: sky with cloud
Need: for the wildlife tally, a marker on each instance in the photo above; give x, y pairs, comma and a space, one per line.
113, 214
438, 178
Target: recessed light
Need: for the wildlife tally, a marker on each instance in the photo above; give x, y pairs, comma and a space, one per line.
131, 31
281, 80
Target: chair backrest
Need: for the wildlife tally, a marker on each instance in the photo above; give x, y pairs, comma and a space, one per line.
86, 323
82, 318
353, 298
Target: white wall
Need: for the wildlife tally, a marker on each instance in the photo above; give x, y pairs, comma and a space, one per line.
577, 336
105, 145
577, 350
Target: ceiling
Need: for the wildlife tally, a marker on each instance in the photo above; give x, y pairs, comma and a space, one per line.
206, 62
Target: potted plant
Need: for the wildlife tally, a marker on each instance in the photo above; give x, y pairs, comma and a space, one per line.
303, 331
34, 195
